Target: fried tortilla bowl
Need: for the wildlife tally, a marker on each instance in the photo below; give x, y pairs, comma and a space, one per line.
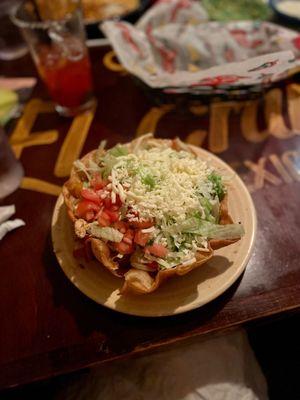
137, 281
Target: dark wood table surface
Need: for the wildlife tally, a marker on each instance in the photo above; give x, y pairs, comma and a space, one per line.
47, 326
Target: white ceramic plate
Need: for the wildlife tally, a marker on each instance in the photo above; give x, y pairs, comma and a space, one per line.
179, 294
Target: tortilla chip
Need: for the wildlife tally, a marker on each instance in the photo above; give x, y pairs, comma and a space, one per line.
225, 219
141, 282
103, 254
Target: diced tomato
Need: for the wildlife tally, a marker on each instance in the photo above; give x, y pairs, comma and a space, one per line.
103, 219
114, 208
113, 215
153, 265
121, 226
90, 215
103, 222
174, 144
105, 215
127, 240
157, 250
118, 201
128, 236
90, 195
107, 202
141, 238
97, 182
87, 209
130, 233
124, 248
142, 224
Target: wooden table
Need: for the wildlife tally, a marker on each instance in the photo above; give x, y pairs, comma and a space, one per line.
47, 326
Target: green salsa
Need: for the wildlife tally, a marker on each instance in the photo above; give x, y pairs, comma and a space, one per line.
228, 10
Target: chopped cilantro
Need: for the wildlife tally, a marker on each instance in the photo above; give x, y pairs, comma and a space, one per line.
149, 181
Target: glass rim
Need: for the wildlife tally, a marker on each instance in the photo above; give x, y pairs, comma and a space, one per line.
22, 23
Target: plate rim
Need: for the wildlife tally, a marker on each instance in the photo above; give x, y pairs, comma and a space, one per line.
227, 284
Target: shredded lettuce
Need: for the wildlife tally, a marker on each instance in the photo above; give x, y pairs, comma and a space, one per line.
215, 231
118, 151
207, 207
106, 233
187, 225
139, 261
82, 168
100, 151
229, 231
102, 145
109, 161
195, 226
93, 166
218, 186
215, 210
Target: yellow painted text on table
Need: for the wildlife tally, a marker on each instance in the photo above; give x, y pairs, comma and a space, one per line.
275, 169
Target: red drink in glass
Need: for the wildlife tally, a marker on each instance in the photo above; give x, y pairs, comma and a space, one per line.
61, 56
67, 77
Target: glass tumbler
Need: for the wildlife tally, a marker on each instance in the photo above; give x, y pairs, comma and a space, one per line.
12, 45
59, 51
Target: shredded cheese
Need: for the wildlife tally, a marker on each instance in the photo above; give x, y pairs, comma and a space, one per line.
176, 179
